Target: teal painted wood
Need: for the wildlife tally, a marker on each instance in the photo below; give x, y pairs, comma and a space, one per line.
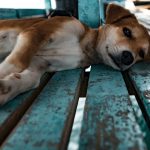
109, 121
8, 13
47, 6
21, 13
140, 75
8, 109
43, 125
30, 12
88, 11
101, 12
141, 121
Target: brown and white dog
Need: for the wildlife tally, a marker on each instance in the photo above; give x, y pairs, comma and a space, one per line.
60, 43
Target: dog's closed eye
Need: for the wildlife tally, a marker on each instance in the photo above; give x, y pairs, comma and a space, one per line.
127, 32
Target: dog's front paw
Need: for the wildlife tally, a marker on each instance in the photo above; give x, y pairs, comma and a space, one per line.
7, 69
5, 91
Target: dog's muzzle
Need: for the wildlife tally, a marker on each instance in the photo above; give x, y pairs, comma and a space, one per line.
122, 60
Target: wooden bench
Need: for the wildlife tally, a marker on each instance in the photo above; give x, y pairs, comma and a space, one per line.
81, 109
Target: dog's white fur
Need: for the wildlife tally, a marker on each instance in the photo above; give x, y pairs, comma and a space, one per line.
70, 56
62, 45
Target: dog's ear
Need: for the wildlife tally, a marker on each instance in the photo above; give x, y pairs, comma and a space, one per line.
115, 13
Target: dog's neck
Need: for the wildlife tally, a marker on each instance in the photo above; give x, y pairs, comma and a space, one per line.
88, 43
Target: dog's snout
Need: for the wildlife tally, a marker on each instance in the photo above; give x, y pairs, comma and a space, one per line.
123, 60
127, 58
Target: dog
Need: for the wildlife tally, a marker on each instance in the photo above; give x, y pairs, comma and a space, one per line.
34, 46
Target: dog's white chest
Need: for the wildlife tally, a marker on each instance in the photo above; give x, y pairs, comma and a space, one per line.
63, 53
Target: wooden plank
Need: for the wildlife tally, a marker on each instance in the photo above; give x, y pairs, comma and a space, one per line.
21, 13
28, 13
47, 6
86, 14
47, 124
141, 121
109, 121
140, 75
136, 103
8, 13
12, 112
7, 109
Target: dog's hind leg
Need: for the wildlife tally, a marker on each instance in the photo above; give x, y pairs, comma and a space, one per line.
17, 83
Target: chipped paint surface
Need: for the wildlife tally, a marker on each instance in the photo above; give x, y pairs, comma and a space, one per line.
42, 126
88, 12
10, 107
109, 121
7, 109
140, 75
109, 118
141, 121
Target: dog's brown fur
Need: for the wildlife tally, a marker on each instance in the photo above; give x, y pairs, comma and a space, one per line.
60, 43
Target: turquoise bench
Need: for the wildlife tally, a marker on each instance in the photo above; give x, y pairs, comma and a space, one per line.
112, 118
80, 109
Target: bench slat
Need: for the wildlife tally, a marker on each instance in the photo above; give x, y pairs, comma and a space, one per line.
9, 108
109, 121
140, 75
11, 112
44, 124
21, 13
141, 120
8, 13
28, 13
86, 14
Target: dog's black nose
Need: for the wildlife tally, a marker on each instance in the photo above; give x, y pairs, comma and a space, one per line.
127, 58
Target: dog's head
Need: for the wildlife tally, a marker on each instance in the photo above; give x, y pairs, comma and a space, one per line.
122, 41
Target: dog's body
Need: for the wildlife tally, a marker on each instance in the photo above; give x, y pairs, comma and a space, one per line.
61, 43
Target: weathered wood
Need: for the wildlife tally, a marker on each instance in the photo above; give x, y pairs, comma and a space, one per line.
109, 121
141, 121
46, 125
140, 75
8, 13
12, 112
28, 13
139, 109
47, 6
88, 12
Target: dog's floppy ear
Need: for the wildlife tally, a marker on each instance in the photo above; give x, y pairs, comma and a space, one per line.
115, 13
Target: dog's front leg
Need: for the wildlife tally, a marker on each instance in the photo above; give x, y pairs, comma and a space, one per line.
28, 43
17, 83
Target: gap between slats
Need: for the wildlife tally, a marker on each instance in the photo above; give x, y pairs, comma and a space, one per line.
14, 118
132, 91
73, 141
